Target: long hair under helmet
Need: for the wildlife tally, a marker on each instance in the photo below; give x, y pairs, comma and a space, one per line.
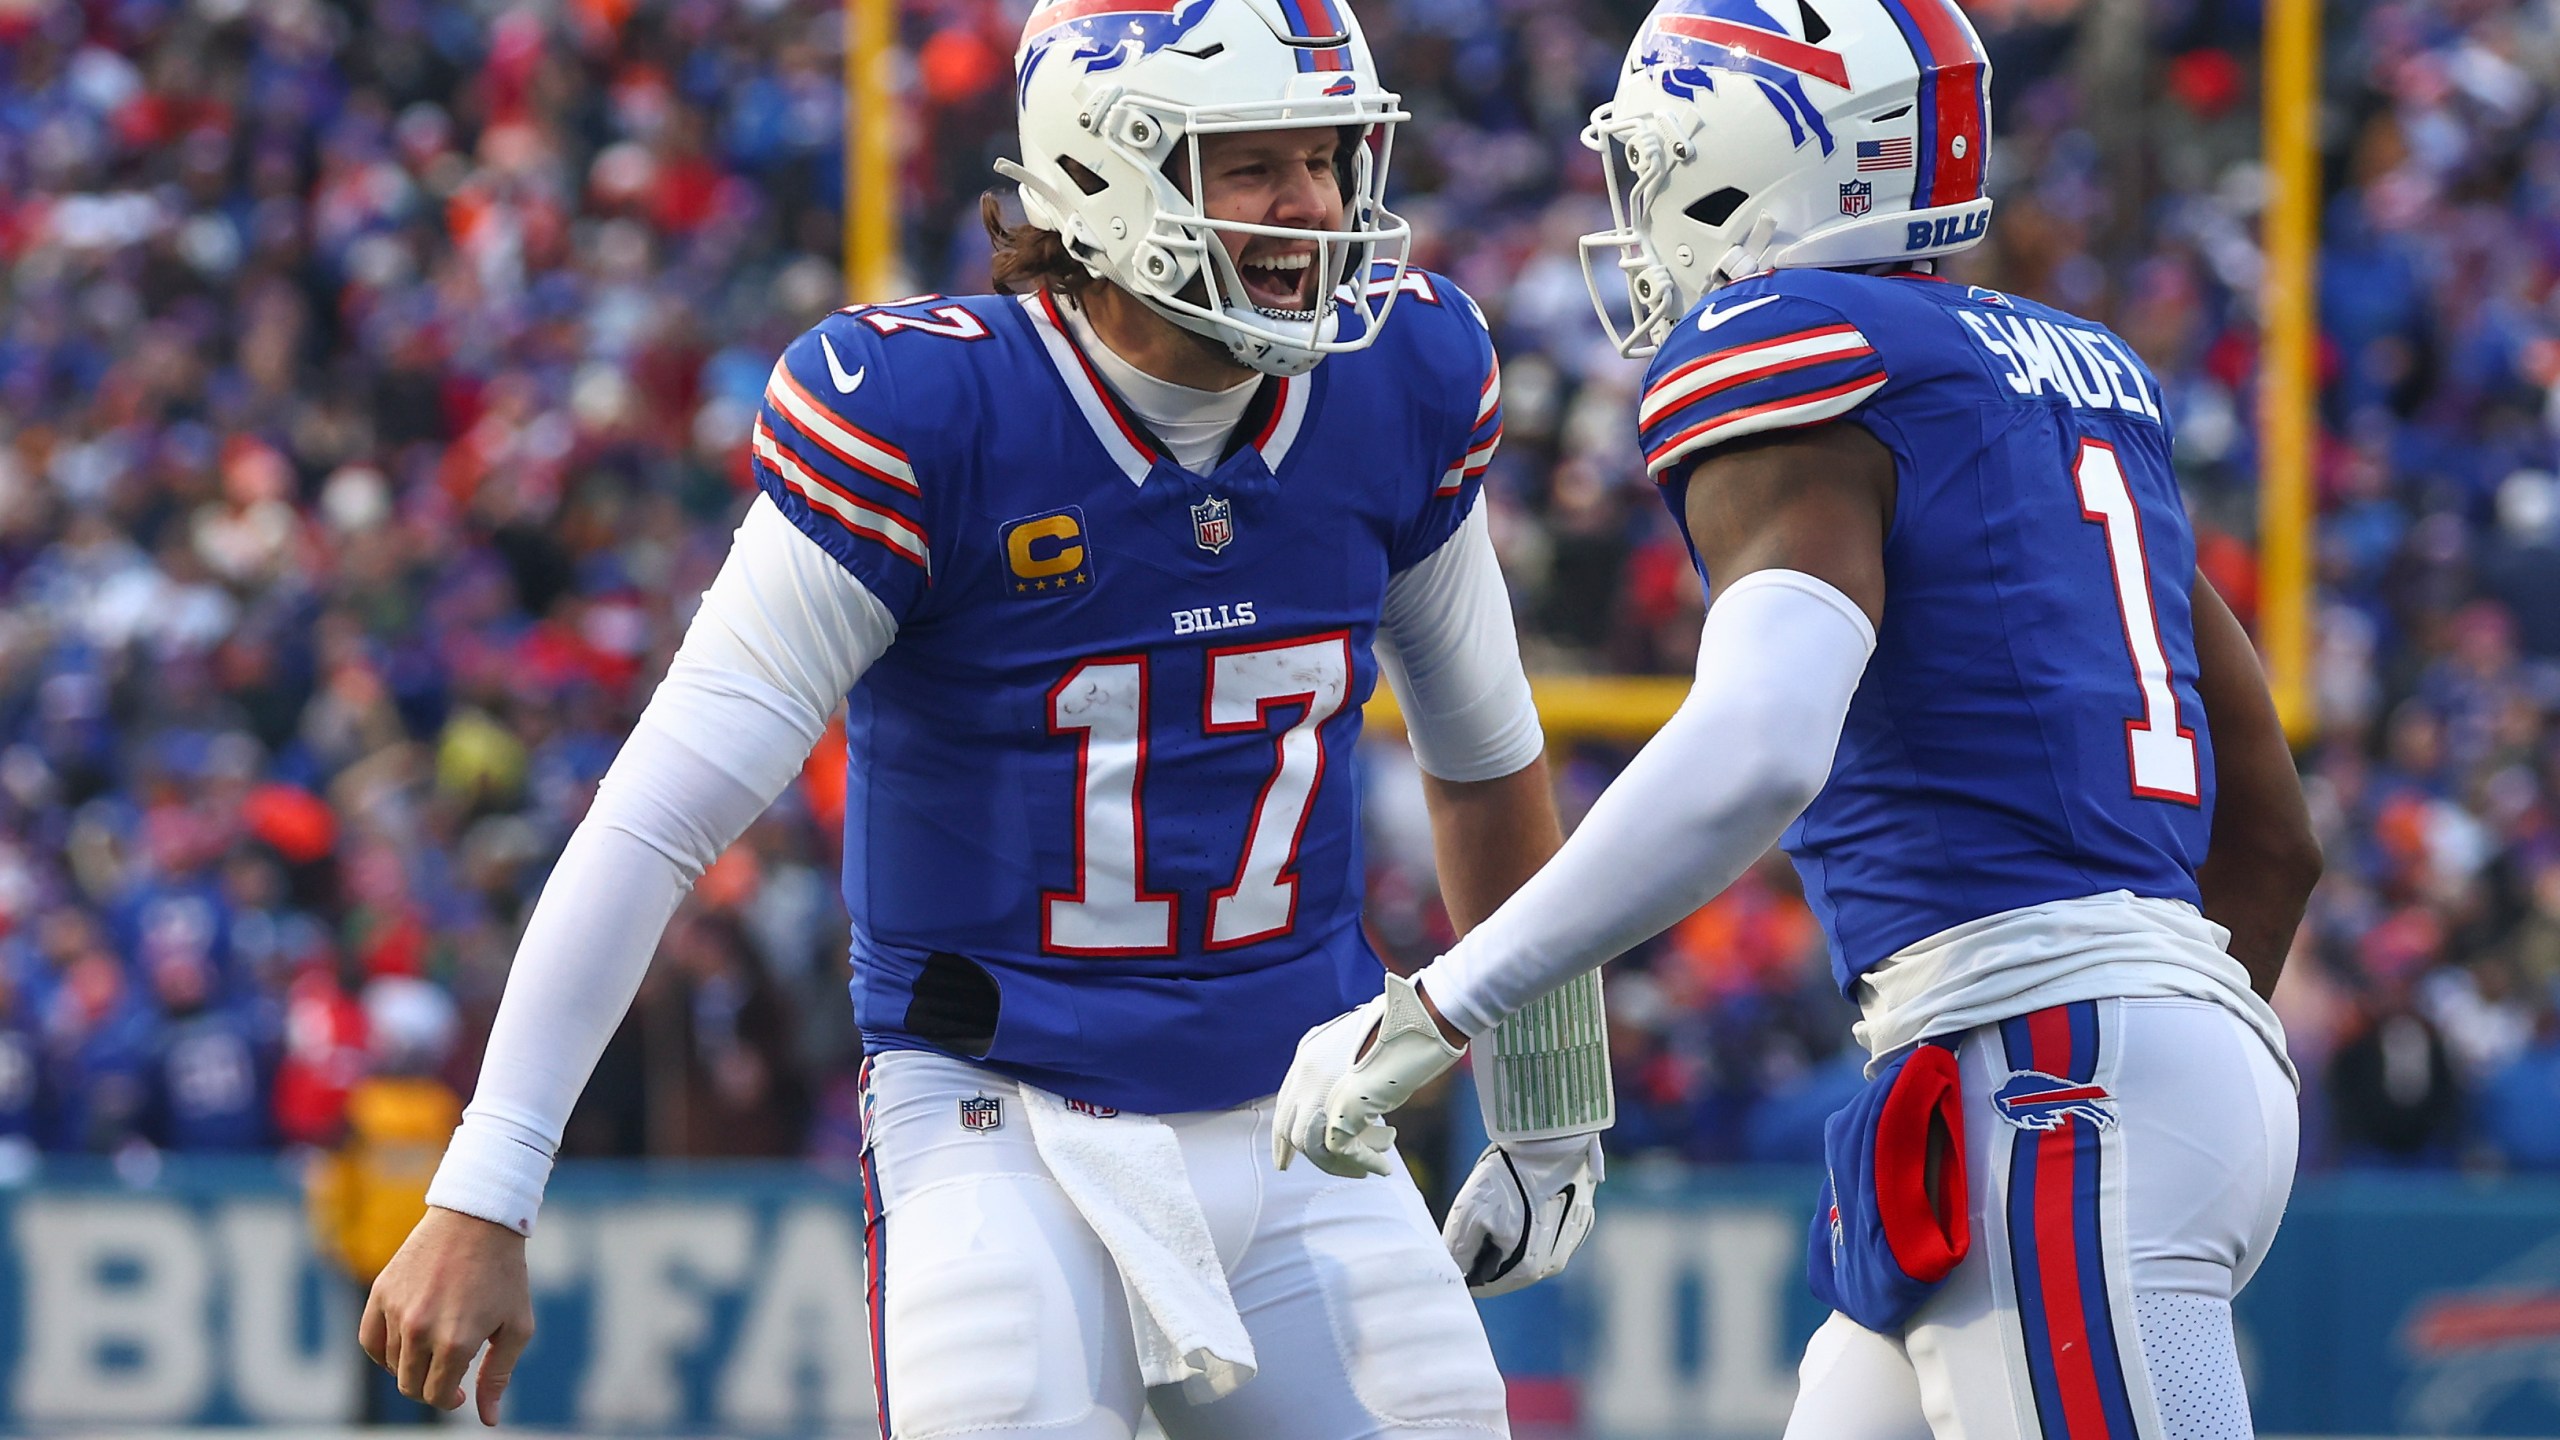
1810, 133
1113, 97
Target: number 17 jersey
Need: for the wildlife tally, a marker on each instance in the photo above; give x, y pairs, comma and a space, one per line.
1102, 816
2028, 729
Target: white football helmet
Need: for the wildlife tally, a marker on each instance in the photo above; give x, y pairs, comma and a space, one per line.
1114, 96
1809, 133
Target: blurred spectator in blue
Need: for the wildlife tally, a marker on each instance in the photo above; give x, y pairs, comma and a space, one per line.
208, 1081
2520, 1106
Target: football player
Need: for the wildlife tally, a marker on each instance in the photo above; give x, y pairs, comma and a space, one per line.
1958, 652
1102, 569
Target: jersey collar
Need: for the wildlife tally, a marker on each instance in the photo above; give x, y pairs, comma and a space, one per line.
1273, 420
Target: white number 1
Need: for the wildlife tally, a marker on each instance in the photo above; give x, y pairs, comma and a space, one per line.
2162, 752
1103, 703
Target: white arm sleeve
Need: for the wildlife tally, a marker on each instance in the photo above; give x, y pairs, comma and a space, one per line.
1778, 661
782, 634
1446, 644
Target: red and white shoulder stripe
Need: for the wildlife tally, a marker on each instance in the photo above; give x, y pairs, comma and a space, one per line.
1486, 437
1742, 364
1828, 403
863, 518
830, 432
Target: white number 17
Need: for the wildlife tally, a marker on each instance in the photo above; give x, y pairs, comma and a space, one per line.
1103, 703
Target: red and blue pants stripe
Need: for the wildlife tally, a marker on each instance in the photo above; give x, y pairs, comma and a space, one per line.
2056, 1250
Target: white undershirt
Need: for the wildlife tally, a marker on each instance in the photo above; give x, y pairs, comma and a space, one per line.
1193, 424
782, 634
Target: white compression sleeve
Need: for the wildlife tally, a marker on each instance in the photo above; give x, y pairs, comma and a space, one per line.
1778, 662
1446, 644
782, 634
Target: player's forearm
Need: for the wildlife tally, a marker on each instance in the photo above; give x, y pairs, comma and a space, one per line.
662, 814
780, 636
1489, 837
1778, 661
2262, 858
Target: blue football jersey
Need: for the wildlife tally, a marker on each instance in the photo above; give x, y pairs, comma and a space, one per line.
1102, 820
2028, 729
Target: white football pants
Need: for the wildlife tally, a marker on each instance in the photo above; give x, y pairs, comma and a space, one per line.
2109, 1234
996, 1312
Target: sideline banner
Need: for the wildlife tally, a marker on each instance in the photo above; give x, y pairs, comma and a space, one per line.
729, 1299
665, 1298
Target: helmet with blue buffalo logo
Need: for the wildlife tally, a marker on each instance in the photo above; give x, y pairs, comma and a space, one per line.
1114, 98
1786, 133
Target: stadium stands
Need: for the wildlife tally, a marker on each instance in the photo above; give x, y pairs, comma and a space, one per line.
374, 385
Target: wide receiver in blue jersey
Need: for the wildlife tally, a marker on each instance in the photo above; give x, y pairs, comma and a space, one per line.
1102, 571
1958, 657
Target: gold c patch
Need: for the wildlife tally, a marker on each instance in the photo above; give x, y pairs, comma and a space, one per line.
1047, 554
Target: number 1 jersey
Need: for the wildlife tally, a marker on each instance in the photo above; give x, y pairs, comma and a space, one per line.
2028, 729
1102, 816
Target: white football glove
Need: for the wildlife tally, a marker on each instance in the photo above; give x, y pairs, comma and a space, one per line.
1523, 1211
1334, 1100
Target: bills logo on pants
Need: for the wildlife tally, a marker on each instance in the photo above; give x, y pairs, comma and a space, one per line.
2033, 1100
2057, 1256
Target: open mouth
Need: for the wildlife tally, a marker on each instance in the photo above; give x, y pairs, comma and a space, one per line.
1280, 281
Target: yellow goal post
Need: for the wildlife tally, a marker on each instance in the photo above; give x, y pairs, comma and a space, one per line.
1623, 708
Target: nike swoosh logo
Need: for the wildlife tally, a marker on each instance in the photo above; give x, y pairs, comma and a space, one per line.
1711, 317
847, 384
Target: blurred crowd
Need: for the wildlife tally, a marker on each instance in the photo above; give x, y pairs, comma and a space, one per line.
375, 378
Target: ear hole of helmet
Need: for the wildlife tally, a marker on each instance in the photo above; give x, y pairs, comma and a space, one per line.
1083, 175
1713, 210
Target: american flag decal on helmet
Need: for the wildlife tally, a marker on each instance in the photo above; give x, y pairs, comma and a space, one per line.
1893, 154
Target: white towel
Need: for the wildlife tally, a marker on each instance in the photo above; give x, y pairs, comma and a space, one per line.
1124, 1174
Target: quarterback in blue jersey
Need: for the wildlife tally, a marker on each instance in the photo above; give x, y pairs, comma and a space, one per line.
1102, 569
1958, 660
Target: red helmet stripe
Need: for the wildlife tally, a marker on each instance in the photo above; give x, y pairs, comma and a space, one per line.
1072, 10
1955, 102
1778, 49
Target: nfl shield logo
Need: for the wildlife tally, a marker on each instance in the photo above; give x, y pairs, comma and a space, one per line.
979, 1112
1213, 524
1857, 197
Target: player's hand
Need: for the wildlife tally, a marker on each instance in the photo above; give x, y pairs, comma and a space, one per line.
1523, 1211
457, 1283
1349, 1073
